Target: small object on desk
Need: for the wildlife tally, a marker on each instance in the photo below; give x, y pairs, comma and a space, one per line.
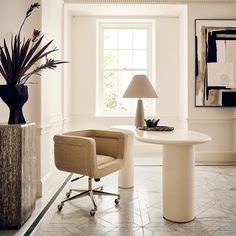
151, 123
158, 128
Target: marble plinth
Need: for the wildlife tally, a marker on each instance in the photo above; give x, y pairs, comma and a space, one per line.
17, 174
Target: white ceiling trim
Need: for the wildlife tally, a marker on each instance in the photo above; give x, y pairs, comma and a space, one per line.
146, 1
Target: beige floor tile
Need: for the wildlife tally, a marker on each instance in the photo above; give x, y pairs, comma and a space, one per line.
140, 209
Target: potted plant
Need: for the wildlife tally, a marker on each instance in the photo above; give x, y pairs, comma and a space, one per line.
18, 62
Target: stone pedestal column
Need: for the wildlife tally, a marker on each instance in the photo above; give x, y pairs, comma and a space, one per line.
17, 174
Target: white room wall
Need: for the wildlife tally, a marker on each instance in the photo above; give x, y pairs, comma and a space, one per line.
51, 90
84, 75
219, 123
168, 68
67, 82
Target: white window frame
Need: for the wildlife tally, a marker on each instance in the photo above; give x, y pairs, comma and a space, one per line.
102, 24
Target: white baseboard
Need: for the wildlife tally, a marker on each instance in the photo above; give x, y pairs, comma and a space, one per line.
208, 158
42, 183
217, 157
50, 183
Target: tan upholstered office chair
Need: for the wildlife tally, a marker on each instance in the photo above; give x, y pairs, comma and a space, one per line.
94, 153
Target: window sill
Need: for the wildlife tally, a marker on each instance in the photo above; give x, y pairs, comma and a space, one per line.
100, 115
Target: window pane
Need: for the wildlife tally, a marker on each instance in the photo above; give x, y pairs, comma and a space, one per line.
124, 103
110, 59
140, 39
125, 59
125, 39
110, 39
110, 90
140, 72
124, 80
124, 53
140, 59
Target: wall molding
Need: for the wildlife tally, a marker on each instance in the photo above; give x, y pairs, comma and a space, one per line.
215, 157
42, 183
209, 158
56, 119
79, 117
47, 128
146, 1
211, 120
43, 129
42, 186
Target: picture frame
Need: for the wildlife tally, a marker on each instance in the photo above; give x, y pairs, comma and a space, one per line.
215, 62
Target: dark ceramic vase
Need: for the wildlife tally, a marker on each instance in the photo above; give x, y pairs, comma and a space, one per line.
152, 123
15, 96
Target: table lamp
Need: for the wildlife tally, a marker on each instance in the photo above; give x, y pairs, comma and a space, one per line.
140, 87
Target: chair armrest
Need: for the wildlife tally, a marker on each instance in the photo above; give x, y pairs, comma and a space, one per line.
110, 143
75, 154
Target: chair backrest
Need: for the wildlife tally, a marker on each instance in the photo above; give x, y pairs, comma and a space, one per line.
109, 143
76, 151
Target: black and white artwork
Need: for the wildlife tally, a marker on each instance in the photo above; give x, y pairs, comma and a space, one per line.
215, 66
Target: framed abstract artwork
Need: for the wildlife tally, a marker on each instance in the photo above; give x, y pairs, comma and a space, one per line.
215, 63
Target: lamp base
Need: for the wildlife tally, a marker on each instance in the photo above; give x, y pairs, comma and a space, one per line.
139, 118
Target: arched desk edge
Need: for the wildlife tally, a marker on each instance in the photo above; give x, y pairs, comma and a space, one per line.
178, 168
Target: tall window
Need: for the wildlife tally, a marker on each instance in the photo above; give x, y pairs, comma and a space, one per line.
124, 49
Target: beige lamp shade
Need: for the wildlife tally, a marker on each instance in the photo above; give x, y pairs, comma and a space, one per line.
140, 87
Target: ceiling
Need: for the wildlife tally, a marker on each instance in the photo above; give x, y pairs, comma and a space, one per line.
167, 10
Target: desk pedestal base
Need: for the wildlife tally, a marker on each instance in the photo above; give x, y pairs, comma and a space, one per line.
178, 182
126, 174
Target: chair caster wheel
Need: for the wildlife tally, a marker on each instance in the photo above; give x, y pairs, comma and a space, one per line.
59, 207
117, 201
92, 212
68, 194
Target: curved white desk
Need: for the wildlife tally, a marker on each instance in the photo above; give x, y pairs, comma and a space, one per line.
178, 168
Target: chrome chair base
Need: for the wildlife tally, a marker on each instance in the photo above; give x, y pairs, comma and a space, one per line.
90, 192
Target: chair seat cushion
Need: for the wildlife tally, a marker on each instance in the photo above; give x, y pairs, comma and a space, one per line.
102, 159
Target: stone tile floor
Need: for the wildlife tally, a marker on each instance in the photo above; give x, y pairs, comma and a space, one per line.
140, 209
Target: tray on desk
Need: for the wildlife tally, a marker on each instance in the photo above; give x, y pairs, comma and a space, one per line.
157, 128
